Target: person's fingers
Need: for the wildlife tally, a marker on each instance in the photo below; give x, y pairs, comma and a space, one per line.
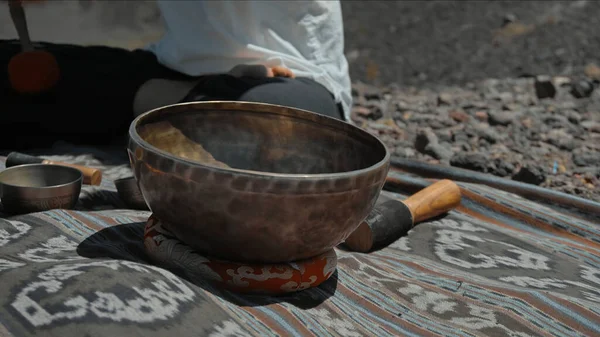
281, 71
270, 72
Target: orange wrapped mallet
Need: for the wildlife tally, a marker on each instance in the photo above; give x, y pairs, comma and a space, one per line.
31, 71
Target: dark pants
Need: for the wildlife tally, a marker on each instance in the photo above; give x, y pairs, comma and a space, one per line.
93, 101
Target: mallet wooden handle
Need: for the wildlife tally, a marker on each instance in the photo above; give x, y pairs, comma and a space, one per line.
17, 14
390, 219
436, 199
91, 176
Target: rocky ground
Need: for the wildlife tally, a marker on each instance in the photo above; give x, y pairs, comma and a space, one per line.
503, 127
506, 88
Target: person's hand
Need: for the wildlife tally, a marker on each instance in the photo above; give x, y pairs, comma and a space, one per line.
260, 71
279, 71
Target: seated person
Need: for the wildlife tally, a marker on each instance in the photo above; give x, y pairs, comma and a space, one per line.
280, 52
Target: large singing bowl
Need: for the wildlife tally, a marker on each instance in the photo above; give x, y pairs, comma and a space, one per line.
282, 184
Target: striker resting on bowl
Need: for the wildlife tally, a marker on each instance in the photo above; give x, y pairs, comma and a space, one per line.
255, 182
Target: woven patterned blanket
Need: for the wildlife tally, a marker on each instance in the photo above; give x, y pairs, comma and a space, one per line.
497, 266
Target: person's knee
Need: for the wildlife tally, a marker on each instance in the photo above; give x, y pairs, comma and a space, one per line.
294, 94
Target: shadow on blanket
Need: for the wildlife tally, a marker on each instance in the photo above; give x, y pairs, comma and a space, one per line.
124, 242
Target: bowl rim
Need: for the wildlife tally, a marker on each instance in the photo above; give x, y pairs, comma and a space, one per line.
123, 180
62, 167
330, 121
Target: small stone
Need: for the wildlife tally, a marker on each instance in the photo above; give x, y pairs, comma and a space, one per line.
470, 132
372, 93
402, 106
527, 122
562, 168
536, 110
539, 151
587, 159
460, 136
438, 123
377, 108
544, 88
582, 89
474, 161
573, 116
438, 151
444, 135
367, 91
503, 118
530, 175
524, 74
499, 148
481, 115
386, 127
361, 111
508, 18
489, 134
400, 124
404, 152
560, 139
526, 100
502, 168
423, 119
592, 170
424, 138
459, 116
475, 105
444, 99
555, 121
592, 71
570, 104
505, 97
511, 107
561, 81
511, 30
533, 135
591, 126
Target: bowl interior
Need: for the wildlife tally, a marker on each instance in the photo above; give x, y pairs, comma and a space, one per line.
39, 176
268, 139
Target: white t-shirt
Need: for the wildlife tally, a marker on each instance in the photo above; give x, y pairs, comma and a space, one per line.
204, 37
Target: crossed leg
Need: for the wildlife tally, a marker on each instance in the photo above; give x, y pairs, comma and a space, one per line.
93, 103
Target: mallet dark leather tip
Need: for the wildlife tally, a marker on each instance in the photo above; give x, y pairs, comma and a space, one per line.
391, 219
16, 158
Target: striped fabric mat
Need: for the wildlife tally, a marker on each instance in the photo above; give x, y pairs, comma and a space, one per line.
497, 266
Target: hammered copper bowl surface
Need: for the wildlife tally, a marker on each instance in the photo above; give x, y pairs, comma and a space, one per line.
297, 184
39, 187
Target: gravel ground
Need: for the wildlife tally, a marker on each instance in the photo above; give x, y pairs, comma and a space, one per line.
507, 88
444, 42
499, 127
450, 82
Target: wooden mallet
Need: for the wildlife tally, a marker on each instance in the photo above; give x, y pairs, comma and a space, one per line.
391, 219
91, 176
31, 71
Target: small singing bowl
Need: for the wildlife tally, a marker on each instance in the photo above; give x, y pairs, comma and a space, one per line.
39, 187
243, 181
130, 193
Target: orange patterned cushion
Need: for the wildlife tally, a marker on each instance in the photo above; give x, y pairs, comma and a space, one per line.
166, 250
